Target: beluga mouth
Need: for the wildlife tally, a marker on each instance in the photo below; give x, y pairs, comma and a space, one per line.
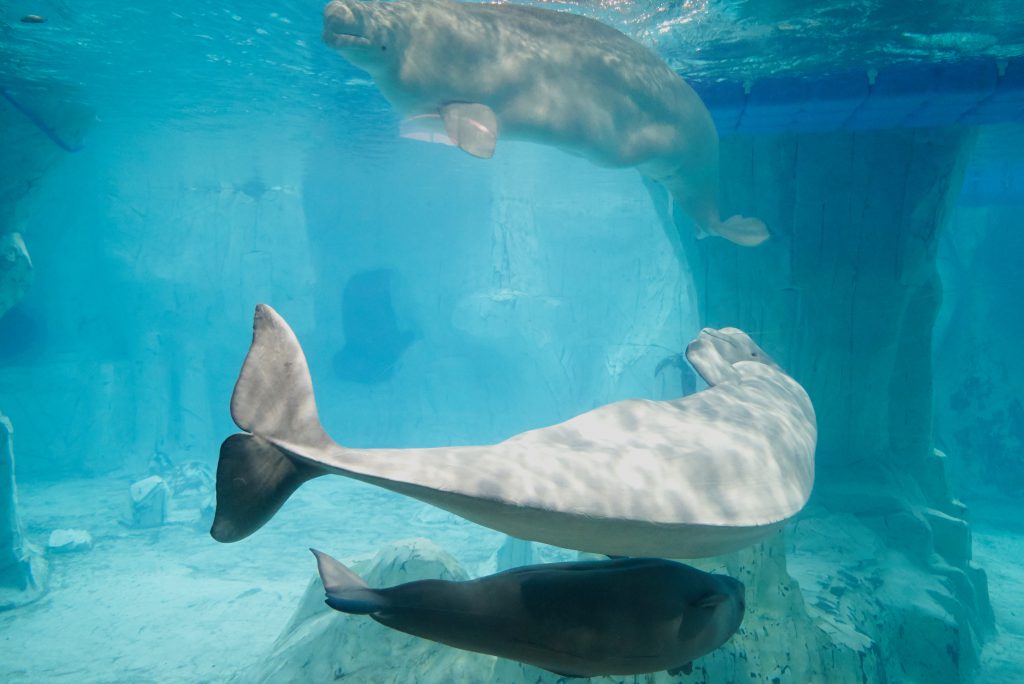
344, 39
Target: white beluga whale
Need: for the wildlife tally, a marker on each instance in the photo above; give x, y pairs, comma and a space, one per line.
698, 476
466, 74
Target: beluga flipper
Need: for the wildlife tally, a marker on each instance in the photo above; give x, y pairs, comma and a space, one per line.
697, 476
472, 127
544, 76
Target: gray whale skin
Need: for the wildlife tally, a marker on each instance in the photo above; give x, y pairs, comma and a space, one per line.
584, 619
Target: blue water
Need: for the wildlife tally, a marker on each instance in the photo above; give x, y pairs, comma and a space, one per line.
169, 167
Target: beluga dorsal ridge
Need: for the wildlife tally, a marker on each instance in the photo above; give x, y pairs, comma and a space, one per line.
582, 619
468, 73
698, 476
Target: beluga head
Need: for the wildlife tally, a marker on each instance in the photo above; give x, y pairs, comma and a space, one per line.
724, 611
371, 35
715, 353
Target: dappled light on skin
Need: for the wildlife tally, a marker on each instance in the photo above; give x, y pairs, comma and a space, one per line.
696, 476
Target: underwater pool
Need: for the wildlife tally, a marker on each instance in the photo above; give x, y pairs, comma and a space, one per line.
164, 169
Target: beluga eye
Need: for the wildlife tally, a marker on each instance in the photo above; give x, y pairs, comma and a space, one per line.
383, 48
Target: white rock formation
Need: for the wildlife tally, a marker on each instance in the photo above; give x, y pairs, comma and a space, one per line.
22, 567
320, 644
15, 270
148, 501
69, 541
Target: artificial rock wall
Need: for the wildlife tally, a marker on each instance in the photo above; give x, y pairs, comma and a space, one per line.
978, 404
874, 582
26, 156
23, 570
15, 270
148, 252
845, 296
27, 153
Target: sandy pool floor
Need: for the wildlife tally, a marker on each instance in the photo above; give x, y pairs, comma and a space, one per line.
171, 605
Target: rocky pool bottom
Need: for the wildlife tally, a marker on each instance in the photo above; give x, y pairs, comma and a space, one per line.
169, 604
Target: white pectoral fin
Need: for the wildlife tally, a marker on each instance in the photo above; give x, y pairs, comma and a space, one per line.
425, 128
471, 126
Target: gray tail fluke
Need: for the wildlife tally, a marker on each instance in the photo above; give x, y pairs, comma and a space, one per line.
254, 479
273, 400
346, 591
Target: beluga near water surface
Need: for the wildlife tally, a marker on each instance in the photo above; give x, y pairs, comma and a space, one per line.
467, 73
697, 476
582, 619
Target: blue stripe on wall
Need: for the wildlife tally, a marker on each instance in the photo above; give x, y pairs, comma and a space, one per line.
979, 91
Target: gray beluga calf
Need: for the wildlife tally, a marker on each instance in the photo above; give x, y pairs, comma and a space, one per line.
582, 619
484, 70
698, 476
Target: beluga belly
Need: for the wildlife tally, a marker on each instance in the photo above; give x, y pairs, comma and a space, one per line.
697, 476
464, 74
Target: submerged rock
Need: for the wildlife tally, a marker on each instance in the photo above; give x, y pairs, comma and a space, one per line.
68, 541
148, 502
15, 270
191, 488
321, 644
23, 570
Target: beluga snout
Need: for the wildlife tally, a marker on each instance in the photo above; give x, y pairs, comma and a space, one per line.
344, 25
